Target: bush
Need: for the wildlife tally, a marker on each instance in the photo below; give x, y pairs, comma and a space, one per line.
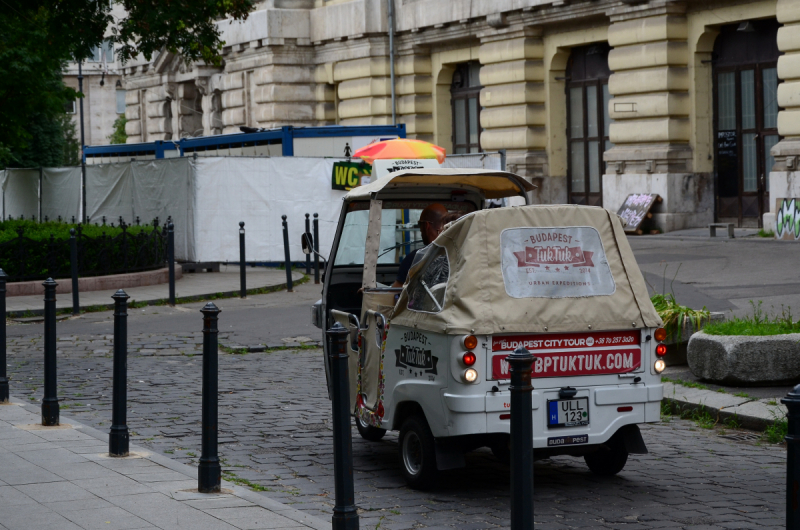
676, 316
32, 251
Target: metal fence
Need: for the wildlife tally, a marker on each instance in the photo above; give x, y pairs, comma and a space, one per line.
25, 259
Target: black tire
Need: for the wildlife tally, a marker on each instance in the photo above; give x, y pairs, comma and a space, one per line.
368, 432
501, 449
608, 462
417, 453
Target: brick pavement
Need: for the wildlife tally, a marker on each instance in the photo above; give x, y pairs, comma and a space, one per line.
275, 432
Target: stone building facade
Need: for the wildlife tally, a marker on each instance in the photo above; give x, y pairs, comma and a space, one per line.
698, 101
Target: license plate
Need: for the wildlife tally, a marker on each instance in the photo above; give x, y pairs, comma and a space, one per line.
567, 412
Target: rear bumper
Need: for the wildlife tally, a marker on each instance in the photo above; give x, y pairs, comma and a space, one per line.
490, 414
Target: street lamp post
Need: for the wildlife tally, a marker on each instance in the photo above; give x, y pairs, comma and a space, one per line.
83, 142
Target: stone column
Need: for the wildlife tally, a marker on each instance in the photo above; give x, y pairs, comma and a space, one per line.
159, 112
364, 88
325, 95
513, 96
133, 115
650, 108
784, 177
414, 89
284, 95
233, 102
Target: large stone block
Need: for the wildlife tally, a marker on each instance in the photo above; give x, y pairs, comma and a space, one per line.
659, 79
414, 84
415, 104
744, 360
789, 123
357, 68
651, 130
412, 64
512, 72
789, 38
512, 115
363, 107
365, 87
514, 137
650, 106
649, 29
789, 65
277, 93
648, 55
788, 11
512, 94
511, 50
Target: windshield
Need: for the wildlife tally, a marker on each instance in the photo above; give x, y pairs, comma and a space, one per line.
399, 231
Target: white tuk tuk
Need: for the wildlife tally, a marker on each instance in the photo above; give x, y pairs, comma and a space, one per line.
428, 359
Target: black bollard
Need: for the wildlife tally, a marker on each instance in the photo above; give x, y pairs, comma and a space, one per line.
73, 265
50, 409
316, 248
287, 255
242, 263
792, 402
171, 261
209, 473
521, 440
308, 256
118, 438
345, 516
3, 364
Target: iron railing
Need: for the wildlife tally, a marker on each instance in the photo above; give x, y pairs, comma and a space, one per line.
26, 259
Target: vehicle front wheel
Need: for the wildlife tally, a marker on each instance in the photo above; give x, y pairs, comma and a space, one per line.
417, 453
368, 432
607, 462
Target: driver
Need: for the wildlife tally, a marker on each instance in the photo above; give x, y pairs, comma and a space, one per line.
430, 225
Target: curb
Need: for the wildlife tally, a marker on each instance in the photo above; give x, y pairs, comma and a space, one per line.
238, 491
750, 413
164, 301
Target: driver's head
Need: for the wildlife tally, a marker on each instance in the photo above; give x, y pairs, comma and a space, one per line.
430, 222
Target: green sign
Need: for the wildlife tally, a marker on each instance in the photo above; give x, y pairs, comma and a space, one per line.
348, 175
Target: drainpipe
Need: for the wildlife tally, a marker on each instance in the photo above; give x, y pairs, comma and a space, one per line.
391, 59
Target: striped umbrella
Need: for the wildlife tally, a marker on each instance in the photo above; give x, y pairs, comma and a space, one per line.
400, 148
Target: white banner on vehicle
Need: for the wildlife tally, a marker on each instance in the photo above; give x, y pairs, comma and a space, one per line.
555, 262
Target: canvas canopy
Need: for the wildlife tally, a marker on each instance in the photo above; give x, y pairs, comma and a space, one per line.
528, 269
492, 184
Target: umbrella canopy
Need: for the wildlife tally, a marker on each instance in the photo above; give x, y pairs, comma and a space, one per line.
400, 148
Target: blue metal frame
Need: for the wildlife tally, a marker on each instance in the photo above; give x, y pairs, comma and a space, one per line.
284, 136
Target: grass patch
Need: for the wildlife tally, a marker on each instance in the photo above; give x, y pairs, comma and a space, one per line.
777, 431
700, 416
690, 384
758, 324
766, 233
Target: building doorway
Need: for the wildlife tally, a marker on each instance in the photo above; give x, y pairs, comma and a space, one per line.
746, 119
465, 92
587, 122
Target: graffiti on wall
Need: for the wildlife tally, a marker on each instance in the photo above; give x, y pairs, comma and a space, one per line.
787, 221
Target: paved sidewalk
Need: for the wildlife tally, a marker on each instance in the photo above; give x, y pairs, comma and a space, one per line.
753, 407
62, 478
191, 286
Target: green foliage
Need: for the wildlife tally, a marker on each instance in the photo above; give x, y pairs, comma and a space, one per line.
38, 38
766, 233
52, 143
119, 136
675, 316
776, 432
47, 251
759, 324
690, 384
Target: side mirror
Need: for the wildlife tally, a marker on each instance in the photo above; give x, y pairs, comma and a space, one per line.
308, 243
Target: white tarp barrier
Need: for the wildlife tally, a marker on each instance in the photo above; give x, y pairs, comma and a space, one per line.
109, 192
61, 193
259, 191
165, 188
21, 193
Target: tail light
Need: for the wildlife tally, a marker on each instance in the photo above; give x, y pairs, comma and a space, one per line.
659, 366
470, 375
661, 349
468, 358
624, 409
470, 342
660, 334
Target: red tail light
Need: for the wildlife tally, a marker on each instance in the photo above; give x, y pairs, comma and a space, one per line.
661, 349
505, 416
624, 409
468, 358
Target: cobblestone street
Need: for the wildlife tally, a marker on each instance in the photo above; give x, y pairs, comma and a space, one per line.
275, 433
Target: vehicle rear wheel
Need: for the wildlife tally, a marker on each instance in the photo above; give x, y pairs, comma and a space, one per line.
501, 449
608, 462
417, 453
368, 432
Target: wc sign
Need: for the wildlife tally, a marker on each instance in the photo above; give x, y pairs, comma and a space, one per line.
349, 175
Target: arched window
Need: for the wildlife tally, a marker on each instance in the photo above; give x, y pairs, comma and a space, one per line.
587, 122
465, 94
746, 118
